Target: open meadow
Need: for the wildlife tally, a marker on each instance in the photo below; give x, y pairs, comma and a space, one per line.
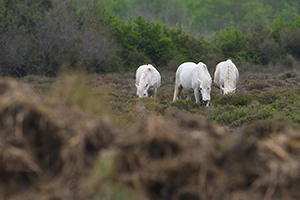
88, 137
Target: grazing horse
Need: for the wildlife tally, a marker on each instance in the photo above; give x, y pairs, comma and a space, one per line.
148, 80
193, 77
226, 77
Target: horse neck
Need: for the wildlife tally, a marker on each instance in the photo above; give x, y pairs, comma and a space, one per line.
144, 78
202, 73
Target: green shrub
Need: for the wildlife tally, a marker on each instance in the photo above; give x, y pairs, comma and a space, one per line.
231, 43
147, 42
187, 47
290, 41
269, 50
287, 34
292, 111
229, 114
239, 99
186, 105
144, 38
269, 97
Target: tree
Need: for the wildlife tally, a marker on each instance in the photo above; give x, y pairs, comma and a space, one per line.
39, 36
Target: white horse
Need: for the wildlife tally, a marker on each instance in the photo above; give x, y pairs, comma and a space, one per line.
226, 77
193, 77
148, 80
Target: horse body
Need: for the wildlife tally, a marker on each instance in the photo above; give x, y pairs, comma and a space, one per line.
148, 79
193, 78
226, 77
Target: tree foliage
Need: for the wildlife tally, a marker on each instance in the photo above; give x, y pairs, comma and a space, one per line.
37, 37
205, 16
40, 36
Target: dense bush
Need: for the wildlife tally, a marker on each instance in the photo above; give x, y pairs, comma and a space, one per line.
231, 43
260, 44
144, 41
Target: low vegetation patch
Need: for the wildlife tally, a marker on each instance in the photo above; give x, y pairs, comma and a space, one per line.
112, 145
258, 96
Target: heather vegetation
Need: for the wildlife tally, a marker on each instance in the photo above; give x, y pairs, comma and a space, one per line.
258, 97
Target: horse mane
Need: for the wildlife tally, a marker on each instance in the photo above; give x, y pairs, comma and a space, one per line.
228, 79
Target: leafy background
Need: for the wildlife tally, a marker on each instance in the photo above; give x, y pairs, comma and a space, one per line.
40, 37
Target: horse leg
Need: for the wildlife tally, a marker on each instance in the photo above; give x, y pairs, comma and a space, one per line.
189, 95
196, 93
154, 93
177, 92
